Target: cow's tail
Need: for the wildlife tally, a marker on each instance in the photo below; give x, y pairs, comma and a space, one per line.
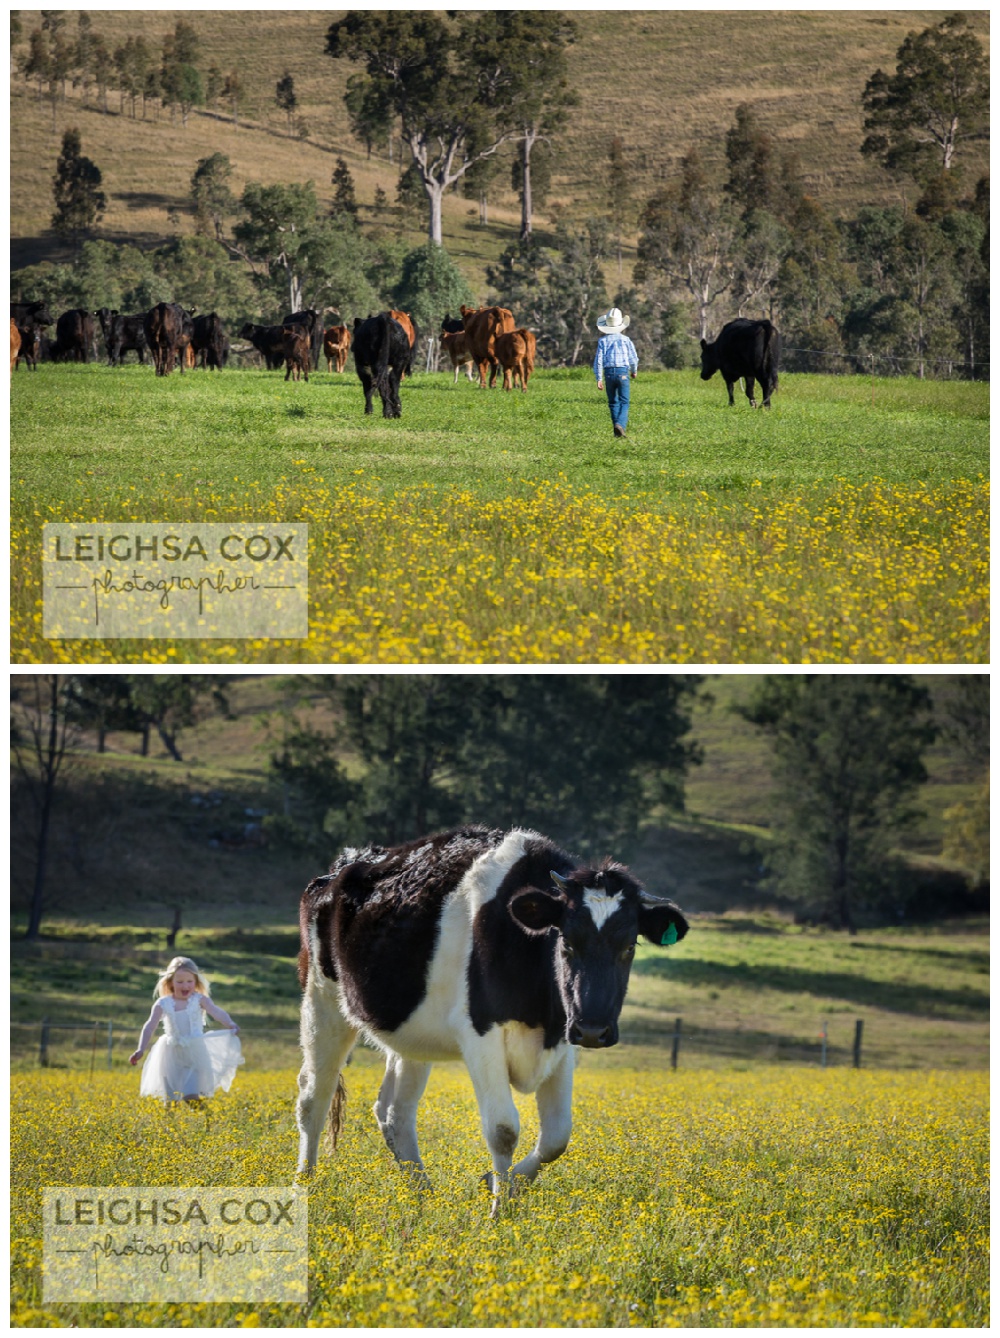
772, 356
338, 1110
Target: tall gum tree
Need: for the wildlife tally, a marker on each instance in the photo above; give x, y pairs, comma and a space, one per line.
459, 88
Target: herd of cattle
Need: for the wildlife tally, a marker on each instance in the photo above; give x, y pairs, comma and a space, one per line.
484, 339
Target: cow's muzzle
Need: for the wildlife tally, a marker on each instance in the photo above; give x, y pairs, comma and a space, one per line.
593, 1038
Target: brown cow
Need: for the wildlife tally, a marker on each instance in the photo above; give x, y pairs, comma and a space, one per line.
512, 354
15, 343
409, 325
531, 344
298, 353
456, 345
336, 346
483, 328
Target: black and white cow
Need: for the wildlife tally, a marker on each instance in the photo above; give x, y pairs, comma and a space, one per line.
492, 947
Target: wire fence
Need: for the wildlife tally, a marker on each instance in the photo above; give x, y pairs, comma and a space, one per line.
103, 1046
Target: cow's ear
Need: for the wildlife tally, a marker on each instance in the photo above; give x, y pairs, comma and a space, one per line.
661, 921
537, 911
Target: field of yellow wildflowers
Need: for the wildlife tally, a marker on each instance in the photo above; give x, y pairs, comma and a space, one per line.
492, 528
792, 1197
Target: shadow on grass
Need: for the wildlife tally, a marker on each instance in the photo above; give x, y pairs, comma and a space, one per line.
895, 997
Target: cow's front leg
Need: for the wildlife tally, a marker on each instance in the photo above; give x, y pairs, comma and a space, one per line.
486, 1061
396, 1110
729, 387
555, 1114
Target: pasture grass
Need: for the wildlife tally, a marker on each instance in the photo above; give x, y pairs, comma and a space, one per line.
515, 529
749, 988
779, 1198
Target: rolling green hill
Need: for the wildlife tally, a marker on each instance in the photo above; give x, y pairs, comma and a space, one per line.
664, 79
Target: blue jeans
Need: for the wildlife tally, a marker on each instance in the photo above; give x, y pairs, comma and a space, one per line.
616, 383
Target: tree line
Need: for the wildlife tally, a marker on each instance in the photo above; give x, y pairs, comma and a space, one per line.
591, 760
896, 288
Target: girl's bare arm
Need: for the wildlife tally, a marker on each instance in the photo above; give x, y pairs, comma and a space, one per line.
147, 1034
220, 1014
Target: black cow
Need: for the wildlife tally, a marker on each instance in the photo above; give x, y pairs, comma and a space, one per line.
452, 324
31, 318
74, 337
209, 341
122, 334
492, 947
312, 322
751, 349
269, 341
381, 355
169, 330
30, 350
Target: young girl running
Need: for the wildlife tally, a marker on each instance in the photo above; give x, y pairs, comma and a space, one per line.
185, 1064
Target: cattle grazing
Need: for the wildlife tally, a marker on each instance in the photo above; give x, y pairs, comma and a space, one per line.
381, 355
483, 328
169, 330
336, 345
31, 318
456, 344
15, 343
492, 947
410, 329
269, 341
744, 348
122, 334
208, 341
311, 321
512, 352
74, 337
298, 354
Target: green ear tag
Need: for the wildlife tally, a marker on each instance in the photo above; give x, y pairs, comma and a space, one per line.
669, 937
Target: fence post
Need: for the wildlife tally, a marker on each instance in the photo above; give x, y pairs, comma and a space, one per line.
677, 1043
823, 1051
93, 1049
858, 1028
110, 1042
43, 1045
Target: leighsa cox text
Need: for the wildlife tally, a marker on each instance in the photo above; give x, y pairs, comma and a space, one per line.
205, 580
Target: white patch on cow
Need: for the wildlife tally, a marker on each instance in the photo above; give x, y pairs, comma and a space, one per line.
600, 905
528, 1064
439, 1026
482, 881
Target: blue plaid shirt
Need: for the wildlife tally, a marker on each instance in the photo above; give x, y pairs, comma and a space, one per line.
615, 350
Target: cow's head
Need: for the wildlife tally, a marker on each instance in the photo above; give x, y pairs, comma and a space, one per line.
597, 916
709, 360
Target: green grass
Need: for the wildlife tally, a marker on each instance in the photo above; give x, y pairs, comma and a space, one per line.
122, 440
732, 499
749, 986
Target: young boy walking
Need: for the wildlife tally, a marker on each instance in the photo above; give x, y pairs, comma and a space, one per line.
615, 365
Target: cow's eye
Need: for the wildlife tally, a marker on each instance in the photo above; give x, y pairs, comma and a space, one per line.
629, 953
570, 952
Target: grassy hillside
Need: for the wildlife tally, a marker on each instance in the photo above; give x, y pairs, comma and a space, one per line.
685, 73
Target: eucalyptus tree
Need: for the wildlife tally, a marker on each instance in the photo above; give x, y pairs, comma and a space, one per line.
458, 86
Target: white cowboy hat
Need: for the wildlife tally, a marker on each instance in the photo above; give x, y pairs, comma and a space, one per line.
612, 322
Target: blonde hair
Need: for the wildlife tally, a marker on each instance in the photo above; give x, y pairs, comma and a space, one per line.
166, 981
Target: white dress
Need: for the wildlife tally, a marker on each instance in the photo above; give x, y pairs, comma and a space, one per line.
186, 1062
